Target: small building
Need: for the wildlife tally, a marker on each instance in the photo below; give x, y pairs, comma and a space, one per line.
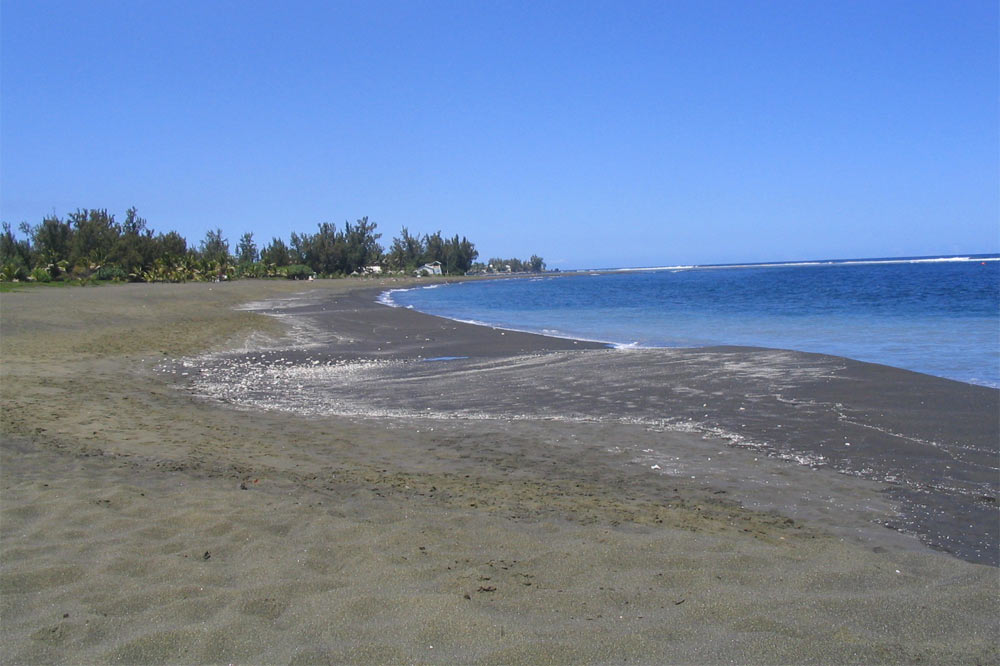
433, 268
373, 270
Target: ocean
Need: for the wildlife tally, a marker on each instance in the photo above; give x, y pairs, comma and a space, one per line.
936, 315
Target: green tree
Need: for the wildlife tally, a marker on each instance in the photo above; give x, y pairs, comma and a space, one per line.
405, 252
362, 248
297, 248
433, 248
133, 224
15, 254
246, 250
276, 254
323, 251
171, 246
52, 240
135, 249
13, 249
95, 233
215, 248
459, 255
537, 264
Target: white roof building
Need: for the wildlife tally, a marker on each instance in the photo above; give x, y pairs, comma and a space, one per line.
433, 268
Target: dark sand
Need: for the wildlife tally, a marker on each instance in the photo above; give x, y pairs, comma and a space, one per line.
326, 495
933, 443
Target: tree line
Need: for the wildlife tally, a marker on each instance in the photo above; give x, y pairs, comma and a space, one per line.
91, 245
497, 265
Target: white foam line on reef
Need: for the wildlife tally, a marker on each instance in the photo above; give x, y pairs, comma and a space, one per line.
789, 264
652, 268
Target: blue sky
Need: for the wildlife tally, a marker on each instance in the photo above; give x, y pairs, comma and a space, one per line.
592, 133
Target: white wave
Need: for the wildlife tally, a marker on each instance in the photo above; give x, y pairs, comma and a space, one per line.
652, 268
790, 264
385, 298
927, 260
474, 322
859, 262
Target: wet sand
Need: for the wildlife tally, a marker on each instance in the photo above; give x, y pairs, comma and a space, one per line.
350, 501
933, 445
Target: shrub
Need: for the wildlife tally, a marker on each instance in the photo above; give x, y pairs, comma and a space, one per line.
115, 273
247, 270
80, 272
13, 270
297, 272
40, 275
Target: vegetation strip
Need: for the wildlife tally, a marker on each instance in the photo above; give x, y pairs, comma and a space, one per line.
90, 246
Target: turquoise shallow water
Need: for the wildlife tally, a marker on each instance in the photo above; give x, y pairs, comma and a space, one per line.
939, 316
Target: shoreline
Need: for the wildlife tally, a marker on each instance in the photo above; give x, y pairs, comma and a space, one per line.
932, 443
620, 345
960, 346
127, 532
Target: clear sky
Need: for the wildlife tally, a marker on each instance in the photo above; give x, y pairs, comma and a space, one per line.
592, 133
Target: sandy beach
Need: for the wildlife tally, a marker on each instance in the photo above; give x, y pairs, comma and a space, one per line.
280, 472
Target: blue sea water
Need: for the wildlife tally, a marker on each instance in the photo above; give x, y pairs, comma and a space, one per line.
940, 316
